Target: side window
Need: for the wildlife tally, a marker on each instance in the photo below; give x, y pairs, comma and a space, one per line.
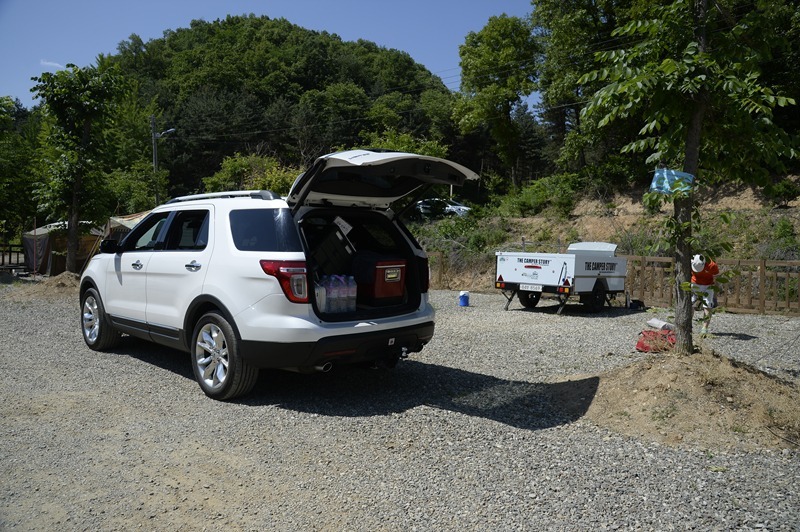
264, 230
188, 231
143, 237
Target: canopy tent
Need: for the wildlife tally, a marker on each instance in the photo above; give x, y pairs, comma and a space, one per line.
45, 248
119, 226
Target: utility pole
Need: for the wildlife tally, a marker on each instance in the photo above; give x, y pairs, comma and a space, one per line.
157, 136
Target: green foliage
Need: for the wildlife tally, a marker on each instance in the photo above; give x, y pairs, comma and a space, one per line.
469, 233
394, 140
463, 241
77, 101
497, 69
255, 85
252, 172
689, 75
782, 192
18, 144
783, 244
137, 189
329, 114
643, 238
555, 193
665, 77
570, 33
495, 183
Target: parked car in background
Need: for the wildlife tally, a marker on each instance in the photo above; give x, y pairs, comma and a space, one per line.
438, 207
247, 280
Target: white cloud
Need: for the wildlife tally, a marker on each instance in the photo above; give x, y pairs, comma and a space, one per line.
52, 64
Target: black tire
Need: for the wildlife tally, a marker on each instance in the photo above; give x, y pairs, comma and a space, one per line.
529, 299
597, 299
98, 333
218, 367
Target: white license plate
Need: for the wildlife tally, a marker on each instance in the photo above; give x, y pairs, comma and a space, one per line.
530, 287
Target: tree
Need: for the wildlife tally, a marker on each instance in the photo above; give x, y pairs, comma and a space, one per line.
331, 117
251, 84
691, 75
569, 33
396, 141
76, 100
250, 172
136, 187
498, 68
17, 147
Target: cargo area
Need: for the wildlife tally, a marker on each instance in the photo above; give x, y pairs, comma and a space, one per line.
360, 265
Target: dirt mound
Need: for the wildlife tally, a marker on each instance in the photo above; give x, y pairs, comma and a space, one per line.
702, 400
64, 284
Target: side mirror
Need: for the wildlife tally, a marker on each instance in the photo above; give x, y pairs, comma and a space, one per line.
110, 246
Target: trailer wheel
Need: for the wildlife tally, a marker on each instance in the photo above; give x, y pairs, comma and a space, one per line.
529, 299
597, 299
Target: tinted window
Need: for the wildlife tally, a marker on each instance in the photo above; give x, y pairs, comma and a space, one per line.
264, 230
188, 231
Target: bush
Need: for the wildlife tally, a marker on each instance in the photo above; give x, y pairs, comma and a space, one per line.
251, 172
782, 192
554, 193
644, 238
783, 245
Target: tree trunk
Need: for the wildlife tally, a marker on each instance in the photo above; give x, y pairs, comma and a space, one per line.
73, 222
684, 204
74, 213
683, 254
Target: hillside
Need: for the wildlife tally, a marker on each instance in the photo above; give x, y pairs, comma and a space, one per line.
757, 229
622, 216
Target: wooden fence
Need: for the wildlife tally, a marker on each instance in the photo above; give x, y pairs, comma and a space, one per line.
753, 286
12, 256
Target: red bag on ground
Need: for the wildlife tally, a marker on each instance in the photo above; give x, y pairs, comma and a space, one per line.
655, 341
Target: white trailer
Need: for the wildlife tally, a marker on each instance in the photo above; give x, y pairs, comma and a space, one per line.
590, 270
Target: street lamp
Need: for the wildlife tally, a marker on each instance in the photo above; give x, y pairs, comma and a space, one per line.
157, 136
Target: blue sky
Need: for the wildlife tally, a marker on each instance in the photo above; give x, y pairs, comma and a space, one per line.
40, 35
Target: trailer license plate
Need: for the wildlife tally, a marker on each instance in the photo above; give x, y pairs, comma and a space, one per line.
530, 287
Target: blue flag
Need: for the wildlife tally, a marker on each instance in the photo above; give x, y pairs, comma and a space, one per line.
667, 181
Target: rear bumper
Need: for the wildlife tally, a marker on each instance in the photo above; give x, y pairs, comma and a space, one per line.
342, 349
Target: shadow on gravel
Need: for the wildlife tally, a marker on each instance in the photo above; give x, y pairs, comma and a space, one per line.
358, 392
355, 392
163, 357
737, 336
574, 309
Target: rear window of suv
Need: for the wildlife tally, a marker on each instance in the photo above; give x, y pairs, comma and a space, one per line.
264, 230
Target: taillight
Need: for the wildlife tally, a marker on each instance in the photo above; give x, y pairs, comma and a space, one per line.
424, 274
291, 275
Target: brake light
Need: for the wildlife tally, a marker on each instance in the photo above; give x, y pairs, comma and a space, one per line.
564, 288
291, 275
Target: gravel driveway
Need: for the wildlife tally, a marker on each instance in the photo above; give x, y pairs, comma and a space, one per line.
465, 435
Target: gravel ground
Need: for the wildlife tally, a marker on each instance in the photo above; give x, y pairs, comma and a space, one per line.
464, 435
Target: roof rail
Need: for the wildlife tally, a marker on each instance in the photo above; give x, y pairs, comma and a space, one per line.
255, 194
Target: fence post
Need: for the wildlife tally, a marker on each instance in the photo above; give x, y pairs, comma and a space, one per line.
762, 289
440, 270
642, 274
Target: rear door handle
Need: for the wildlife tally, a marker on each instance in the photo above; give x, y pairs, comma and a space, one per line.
193, 266
137, 265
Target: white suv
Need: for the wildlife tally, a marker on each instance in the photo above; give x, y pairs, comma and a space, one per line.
248, 280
